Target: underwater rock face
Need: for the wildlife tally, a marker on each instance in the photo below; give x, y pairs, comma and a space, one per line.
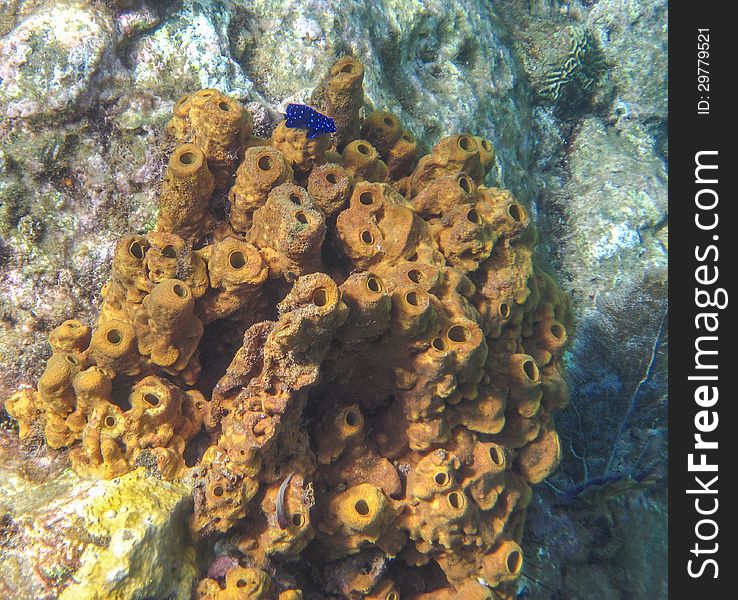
629, 551
605, 225
62, 536
191, 48
617, 210
634, 41
49, 61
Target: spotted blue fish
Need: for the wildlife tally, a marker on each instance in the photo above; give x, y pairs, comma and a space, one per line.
300, 116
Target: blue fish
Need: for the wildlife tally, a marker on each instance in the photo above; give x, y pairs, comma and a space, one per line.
300, 116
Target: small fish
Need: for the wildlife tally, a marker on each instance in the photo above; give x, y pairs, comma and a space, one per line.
281, 512
300, 116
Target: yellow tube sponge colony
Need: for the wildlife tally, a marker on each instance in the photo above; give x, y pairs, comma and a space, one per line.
216, 124
21, 407
243, 583
128, 282
185, 195
236, 271
454, 154
169, 257
362, 160
340, 96
330, 187
301, 152
71, 337
290, 231
382, 129
360, 516
113, 347
167, 329
397, 147
360, 356
263, 168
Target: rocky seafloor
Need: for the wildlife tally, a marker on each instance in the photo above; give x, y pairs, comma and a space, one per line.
573, 97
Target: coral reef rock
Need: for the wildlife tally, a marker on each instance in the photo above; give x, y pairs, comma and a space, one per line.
50, 60
62, 536
346, 358
617, 214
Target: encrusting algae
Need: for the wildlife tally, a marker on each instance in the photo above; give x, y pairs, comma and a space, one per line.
399, 366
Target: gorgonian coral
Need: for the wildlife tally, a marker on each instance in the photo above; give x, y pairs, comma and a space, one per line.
358, 361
